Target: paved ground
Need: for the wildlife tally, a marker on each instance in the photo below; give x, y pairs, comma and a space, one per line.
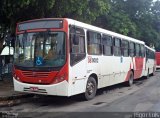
143, 96
8, 96
6, 87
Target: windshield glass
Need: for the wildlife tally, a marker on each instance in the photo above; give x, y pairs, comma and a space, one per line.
42, 49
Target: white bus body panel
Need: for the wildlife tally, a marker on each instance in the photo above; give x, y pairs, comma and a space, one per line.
109, 70
77, 78
150, 63
60, 89
150, 66
114, 70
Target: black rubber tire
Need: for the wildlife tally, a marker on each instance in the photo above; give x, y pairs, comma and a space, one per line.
131, 79
153, 72
91, 89
147, 77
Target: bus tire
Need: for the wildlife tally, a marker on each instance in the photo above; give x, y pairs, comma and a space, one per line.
147, 76
91, 88
131, 79
153, 72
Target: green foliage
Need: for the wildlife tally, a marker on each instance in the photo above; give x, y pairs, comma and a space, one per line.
84, 10
139, 19
136, 18
120, 22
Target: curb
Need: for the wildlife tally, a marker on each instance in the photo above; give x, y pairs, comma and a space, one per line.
9, 103
14, 97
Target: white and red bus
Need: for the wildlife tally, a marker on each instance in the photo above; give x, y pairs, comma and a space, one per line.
150, 61
65, 57
157, 55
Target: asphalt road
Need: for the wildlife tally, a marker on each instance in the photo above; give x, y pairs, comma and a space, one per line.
143, 96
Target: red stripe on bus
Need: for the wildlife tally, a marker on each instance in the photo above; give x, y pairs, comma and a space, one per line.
139, 62
128, 74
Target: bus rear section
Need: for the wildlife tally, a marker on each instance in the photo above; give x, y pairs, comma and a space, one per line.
157, 55
40, 59
150, 62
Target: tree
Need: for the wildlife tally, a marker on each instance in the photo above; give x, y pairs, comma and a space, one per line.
135, 18
117, 20
13, 11
84, 10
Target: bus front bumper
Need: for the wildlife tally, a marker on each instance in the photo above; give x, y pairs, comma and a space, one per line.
59, 89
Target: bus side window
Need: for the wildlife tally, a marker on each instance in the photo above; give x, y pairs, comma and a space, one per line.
150, 54
107, 45
142, 51
137, 50
77, 45
117, 47
94, 43
131, 49
125, 46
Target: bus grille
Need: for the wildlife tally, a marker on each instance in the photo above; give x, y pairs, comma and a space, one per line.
36, 74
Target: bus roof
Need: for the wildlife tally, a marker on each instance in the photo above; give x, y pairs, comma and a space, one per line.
88, 26
150, 48
91, 27
41, 19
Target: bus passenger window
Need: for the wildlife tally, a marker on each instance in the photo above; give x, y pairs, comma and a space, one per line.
117, 47
107, 45
77, 44
94, 43
142, 50
137, 50
132, 49
125, 46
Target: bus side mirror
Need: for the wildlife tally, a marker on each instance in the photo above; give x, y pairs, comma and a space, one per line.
76, 40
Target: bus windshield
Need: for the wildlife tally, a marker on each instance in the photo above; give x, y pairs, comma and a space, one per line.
40, 49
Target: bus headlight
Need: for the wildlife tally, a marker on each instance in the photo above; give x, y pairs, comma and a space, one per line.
62, 78
17, 78
59, 79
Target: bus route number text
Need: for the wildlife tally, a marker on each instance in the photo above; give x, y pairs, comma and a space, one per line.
92, 60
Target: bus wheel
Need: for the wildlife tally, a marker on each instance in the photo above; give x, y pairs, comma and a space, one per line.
91, 89
147, 77
131, 78
153, 72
